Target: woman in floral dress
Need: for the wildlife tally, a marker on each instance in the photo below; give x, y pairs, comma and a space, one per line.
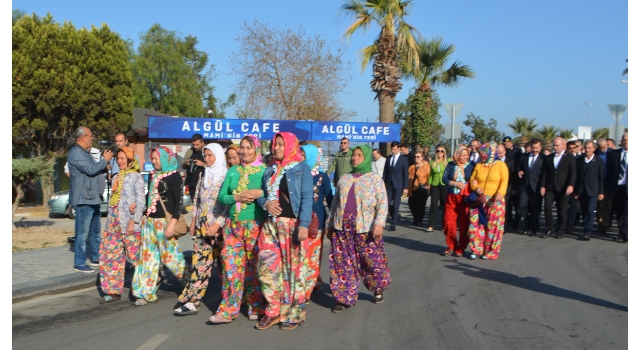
358, 214
241, 230
321, 192
208, 218
288, 187
159, 245
486, 223
121, 240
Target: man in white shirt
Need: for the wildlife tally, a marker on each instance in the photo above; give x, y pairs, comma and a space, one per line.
475, 143
377, 165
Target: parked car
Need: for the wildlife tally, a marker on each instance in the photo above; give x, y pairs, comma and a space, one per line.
59, 202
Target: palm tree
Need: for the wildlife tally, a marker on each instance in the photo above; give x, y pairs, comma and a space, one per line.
566, 133
431, 71
600, 133
524, 127
547, 134
396, 38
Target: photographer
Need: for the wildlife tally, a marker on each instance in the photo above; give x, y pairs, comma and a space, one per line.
194, 163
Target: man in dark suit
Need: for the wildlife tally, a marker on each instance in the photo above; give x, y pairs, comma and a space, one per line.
396, 179
558, 180
411, 157
573, 213
589, 185
514, 153
512, 184
617, 181
530, 198
603, 210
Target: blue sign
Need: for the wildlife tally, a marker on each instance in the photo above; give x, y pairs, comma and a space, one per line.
148, 166
184, 128
358, 132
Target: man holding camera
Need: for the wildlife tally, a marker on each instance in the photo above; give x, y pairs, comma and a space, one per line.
194, 163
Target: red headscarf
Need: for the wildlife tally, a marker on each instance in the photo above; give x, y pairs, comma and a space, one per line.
291, 152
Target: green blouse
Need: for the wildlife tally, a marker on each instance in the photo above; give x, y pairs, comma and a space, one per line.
437, 170
251, 211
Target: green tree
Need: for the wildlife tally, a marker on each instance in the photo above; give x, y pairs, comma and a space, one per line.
420, 120
23, 170
566, 133
600, 133
524, 127
395, 40
547, 133
65, 77
172, 76
16, 15
481, 130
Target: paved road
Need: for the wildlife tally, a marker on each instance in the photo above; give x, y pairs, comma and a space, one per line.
540, 294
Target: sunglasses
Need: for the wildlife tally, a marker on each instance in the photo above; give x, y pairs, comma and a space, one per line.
343, 143
417, 157
440, 151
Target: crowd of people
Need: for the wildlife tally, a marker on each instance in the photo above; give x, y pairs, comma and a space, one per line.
261, 224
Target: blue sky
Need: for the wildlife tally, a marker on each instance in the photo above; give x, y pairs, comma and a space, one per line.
539, 59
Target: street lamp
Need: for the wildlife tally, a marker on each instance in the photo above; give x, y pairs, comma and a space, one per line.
588, 111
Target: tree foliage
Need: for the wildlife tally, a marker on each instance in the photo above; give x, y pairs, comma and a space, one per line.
481, 130
420, 120
23, 170
172, 76
546, 134
64, 77
524, 128
284, 74
600, 133
16, 15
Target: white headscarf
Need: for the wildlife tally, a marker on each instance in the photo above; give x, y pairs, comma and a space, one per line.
219, 169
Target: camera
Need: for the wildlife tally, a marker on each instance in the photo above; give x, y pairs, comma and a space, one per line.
192, 166
108, 145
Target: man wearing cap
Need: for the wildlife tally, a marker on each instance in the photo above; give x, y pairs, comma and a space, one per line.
513, 153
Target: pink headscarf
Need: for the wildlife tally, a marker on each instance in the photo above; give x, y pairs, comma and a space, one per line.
291, 152
256, 144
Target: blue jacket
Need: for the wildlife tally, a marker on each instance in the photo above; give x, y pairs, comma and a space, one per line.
300, 183
449, 174
84, 176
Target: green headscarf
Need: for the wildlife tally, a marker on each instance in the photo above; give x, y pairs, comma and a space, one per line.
365, 166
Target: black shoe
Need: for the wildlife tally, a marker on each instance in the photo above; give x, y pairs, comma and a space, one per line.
549, 233
392, 229
533, 233
559, 235
570, 230
586, 237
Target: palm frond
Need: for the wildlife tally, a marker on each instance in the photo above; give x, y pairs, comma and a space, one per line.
366, 54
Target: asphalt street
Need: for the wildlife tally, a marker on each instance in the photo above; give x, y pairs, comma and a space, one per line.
539, 294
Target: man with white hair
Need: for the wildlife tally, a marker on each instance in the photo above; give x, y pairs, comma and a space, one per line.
558, 180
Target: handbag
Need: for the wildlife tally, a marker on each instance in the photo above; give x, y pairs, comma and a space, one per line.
181, 228
422, 190
313, 225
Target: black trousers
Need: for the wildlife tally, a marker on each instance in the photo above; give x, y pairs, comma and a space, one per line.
588, 205
394, 196
511, 200
561, 199
417, 205
192, 192
530, 203
438, 198
603, 214
574, 212
621, 209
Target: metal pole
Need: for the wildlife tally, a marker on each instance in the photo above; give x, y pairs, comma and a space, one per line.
452, 126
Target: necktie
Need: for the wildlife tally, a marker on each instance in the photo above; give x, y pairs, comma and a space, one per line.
623, 166
393, 163
531, 159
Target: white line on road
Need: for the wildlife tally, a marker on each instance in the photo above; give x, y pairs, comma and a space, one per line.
153, 342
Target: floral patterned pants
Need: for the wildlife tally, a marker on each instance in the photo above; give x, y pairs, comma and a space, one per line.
155, 249
116, 248
204, 254
487, 240
353, 255
314, 257
283, 271
240, 268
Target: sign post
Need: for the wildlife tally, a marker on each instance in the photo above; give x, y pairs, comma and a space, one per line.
617, 111
453, 109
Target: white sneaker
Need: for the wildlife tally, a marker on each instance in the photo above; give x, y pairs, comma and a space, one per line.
472, 256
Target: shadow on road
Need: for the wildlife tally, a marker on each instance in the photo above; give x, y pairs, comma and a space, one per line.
33, 223
531, 283
414, 245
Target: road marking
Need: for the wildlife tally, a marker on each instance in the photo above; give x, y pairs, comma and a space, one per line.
153, 342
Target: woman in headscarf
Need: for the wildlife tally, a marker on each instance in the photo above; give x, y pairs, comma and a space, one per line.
241, 187
208, 218
121, 240
418, 192
159, 245
486, 223
288, 187
456, 177
232, 155
358, 214
321, 192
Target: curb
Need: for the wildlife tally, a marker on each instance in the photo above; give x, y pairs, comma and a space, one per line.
51, 284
